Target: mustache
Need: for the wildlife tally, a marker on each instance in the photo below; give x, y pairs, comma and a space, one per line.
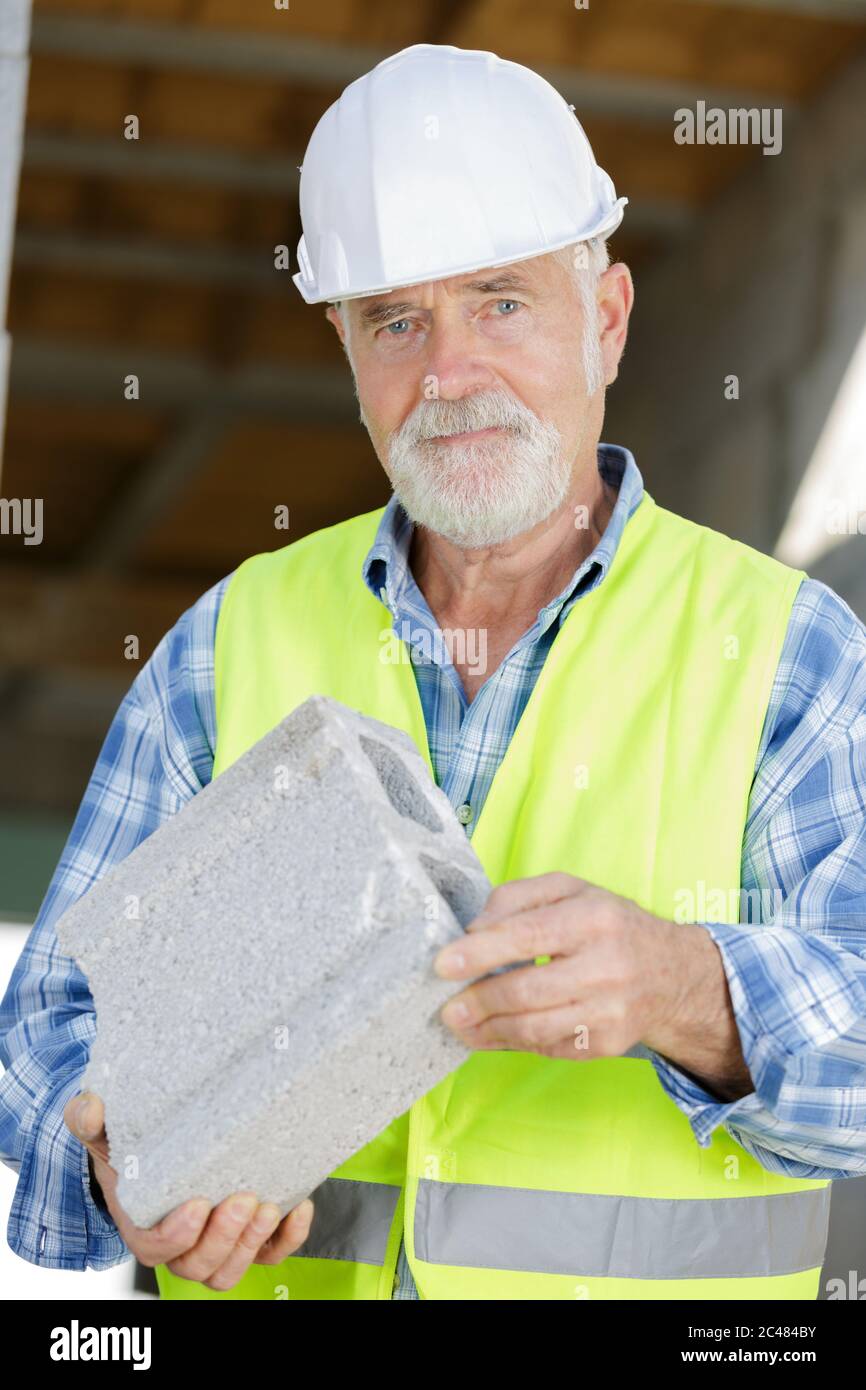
492, 410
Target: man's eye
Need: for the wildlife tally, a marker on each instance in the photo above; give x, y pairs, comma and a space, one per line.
398, 323
510, 303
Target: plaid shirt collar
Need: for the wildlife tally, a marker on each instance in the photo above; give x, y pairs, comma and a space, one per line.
386, 569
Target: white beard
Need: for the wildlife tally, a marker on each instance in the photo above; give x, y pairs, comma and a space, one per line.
481, 492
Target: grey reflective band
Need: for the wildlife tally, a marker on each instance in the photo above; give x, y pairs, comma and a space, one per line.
593, 1236
351, 1221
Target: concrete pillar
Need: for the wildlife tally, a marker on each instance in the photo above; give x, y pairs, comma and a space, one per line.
14, 65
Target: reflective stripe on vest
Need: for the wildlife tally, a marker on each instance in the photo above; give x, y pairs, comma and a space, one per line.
631, 766
352, 1221
577, 1233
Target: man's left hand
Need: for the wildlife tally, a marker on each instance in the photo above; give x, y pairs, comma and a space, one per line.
613, 971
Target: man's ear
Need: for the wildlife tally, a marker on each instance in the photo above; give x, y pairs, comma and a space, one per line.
615, 300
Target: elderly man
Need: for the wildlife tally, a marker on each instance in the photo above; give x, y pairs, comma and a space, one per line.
645, 727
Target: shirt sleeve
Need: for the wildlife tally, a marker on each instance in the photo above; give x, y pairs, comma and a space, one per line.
796, 966
157, 755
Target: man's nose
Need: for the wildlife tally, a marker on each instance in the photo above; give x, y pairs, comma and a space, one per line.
456, 364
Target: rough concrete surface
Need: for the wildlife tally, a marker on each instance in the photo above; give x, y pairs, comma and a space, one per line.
261, 965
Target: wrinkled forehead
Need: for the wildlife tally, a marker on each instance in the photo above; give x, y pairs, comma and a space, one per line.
525, 277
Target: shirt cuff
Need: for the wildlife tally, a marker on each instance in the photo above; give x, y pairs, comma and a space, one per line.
791, 993
100, 1224
54, 1220
704, 1111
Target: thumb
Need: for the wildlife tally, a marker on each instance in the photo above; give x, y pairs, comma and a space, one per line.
85, 1117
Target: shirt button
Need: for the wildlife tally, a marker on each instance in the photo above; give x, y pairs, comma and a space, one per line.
464, 813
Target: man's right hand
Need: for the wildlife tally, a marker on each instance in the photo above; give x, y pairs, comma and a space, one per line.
213, 1246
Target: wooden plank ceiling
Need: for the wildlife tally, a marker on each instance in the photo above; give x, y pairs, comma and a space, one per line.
155, 257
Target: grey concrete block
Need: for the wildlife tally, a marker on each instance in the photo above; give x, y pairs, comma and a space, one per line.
261, 965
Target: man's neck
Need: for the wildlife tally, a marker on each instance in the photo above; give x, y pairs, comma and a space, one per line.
504, 586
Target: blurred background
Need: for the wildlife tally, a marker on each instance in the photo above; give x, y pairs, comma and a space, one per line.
154, 257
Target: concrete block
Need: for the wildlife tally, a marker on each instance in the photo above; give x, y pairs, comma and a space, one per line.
261, 965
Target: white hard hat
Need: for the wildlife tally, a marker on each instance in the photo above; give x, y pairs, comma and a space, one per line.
440, 161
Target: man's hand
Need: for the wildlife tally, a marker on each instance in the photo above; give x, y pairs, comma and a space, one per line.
617, 975
213, 1246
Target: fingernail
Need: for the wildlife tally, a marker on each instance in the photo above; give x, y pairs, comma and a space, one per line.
266, 1217
186, 1219
450, 962
243, 1209
84, 1109
196, 1214
304, 1212
455, 1013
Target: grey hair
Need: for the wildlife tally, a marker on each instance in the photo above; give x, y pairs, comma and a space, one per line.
586, 267
595, 259
340, 306
586, 261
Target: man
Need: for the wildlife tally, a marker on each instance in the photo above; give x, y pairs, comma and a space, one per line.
641, 723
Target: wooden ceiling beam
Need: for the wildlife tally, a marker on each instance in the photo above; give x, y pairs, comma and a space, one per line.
110, 158
150, 260
852, 10
310, 61
51, 371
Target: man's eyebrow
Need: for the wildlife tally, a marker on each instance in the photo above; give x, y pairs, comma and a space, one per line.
383, 311
507, 280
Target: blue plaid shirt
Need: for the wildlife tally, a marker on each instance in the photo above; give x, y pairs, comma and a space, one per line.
797, 980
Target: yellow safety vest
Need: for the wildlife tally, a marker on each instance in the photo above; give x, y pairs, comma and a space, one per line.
520, 1176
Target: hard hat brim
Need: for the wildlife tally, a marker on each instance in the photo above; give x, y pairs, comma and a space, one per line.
608, 224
